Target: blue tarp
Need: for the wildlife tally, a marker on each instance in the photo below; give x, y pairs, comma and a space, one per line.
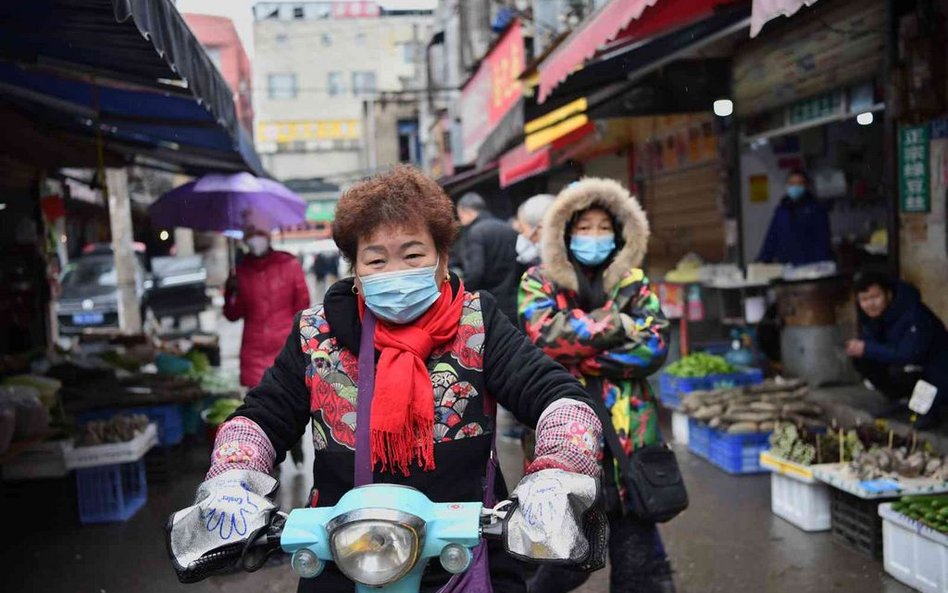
129, 69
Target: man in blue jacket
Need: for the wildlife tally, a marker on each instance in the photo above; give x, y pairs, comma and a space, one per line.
799, 231
900, 341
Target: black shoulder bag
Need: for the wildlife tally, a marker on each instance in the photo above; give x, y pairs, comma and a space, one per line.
656, 490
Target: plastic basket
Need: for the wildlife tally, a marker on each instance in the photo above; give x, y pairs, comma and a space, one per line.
168, 418
805, 504
111, 493
111, 453
738, 453
914, 553
856, 522
699, 438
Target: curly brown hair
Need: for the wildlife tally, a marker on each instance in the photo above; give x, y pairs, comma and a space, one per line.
402, 196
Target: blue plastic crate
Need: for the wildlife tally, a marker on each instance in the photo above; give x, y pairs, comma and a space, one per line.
168, 418
738, 379
738, 453
671, 388
111, 493
699, 438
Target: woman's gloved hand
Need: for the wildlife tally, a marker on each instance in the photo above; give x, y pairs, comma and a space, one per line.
556, 519
229, 512
568, 437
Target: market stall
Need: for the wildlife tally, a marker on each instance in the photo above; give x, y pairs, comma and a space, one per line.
117, 413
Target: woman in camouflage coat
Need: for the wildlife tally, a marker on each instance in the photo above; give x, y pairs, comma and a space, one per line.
590, 307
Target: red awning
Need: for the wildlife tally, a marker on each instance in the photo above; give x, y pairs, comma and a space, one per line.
623, 21
600, 28
519, 164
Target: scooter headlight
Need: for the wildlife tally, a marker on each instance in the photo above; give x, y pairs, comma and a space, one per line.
376, 547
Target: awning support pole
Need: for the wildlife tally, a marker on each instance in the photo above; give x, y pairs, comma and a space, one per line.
120, 220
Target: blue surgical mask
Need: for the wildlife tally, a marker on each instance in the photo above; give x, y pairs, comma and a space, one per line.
795, 192
592, 251
402, 296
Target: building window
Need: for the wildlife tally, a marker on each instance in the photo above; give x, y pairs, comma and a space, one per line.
281, 86
214, 52
298, 13
363, 83
336, 84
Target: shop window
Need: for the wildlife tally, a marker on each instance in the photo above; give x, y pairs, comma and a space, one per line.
363, 83
281, 86
336, 84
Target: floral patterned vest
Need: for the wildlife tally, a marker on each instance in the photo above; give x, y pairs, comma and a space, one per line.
456, 371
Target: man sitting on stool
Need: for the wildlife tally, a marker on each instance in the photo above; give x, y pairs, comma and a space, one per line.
901, 341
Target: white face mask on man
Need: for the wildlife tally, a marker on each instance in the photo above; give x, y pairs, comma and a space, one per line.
527, 250
258, 245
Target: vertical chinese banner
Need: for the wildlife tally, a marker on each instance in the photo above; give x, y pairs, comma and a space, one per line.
913, 169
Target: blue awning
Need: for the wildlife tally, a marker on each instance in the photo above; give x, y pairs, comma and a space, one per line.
127, 71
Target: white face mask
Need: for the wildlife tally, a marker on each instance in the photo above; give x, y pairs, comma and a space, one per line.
258, 245
527, 250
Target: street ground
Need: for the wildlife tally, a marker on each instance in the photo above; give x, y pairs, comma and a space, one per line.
727, 541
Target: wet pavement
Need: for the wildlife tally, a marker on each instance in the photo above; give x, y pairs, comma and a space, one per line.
728, 540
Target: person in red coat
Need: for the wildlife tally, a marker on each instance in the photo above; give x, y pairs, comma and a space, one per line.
267, 292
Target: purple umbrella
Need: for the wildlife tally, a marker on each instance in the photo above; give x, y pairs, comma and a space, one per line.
228, 202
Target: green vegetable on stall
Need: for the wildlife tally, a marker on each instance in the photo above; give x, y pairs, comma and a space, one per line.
931, 511
700, 364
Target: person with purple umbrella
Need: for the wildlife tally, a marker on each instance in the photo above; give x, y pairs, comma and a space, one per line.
268, 289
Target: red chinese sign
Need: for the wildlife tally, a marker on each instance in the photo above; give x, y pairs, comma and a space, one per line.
492, 91
505, 63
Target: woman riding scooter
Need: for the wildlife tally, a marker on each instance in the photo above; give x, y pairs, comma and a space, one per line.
443, 358
589, 307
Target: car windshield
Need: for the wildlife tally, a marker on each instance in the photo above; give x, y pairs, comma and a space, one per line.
89, 271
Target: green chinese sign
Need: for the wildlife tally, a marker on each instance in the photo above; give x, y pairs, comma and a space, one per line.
913, 169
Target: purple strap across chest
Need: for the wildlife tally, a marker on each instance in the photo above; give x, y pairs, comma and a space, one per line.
366, 391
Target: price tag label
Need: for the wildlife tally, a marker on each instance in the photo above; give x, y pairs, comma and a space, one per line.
923, 396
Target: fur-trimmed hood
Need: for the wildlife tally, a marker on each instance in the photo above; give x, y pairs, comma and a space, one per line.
615, 199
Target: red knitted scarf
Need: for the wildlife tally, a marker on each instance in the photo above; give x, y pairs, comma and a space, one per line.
402, 425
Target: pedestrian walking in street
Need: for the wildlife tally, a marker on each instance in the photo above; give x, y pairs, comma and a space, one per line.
799, 232
443, 357
530, 222
901, 341
489, 252
268, 289
590, 307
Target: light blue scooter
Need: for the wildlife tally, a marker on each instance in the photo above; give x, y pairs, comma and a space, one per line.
381, 536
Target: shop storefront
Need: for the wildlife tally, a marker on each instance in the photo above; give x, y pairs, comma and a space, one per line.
810, 97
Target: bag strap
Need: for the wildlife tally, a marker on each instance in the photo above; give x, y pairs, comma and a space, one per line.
366, 391
594, 389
